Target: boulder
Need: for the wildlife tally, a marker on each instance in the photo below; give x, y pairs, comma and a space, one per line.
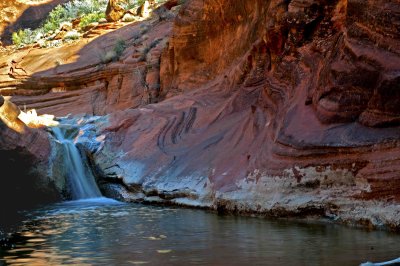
75, 23
67, 26
114, 11
102, 21
9, 113
90, 26
144, 10
128, 18
59, 35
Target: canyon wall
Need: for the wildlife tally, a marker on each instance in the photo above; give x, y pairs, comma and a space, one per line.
282, 108
78, 78
275, 107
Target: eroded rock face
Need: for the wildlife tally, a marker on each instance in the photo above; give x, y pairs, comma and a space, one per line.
276, 107
359, 80
279, 107
83, 78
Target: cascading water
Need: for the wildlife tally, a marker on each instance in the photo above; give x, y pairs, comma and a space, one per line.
82, 183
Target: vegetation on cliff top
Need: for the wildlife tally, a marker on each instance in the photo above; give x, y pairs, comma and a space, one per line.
85, 11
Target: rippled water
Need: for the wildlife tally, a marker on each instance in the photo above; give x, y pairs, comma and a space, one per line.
106, 232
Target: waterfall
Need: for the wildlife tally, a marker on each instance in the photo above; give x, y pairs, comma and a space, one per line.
82, 183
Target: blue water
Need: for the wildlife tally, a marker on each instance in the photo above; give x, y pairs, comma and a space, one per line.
107, 232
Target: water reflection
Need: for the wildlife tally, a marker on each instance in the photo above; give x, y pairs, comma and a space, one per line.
105, 232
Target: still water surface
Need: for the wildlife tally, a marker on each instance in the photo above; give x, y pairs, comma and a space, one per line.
106, 232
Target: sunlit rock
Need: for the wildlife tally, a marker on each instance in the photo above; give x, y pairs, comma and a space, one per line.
128, 18
32, 119
16, 119
9, 113
144, 10
114, 11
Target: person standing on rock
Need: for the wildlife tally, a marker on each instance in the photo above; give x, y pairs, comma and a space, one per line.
13, 67
13, 64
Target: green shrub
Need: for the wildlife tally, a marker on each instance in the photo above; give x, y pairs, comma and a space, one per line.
72, 35
115, 53
25, 36
89, 11
90, 18
119, 47
16, 38
108, 57
57, 16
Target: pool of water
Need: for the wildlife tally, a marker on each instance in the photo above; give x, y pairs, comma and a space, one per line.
106, 232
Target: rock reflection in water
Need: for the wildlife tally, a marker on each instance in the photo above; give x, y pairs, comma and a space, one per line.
106, 232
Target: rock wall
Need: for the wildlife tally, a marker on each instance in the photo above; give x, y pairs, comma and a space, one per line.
78, 78
274, 107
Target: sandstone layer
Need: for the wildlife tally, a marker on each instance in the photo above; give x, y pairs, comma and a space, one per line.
82, 78
280, 108
284, 108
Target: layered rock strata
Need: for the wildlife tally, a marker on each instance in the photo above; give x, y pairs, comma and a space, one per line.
88, 76
284, 108
281, 108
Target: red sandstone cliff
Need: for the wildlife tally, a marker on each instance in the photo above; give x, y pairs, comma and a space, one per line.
282, 107
275, 107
